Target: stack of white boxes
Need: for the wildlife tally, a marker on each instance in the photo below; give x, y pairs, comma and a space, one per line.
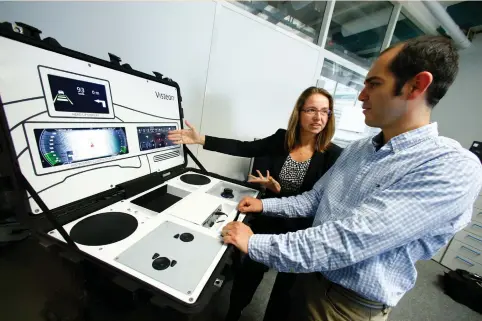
465, 250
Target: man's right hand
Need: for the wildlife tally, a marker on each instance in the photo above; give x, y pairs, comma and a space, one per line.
250, 205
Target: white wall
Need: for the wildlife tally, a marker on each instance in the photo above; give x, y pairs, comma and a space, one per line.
173, 38
459, 113
256, 73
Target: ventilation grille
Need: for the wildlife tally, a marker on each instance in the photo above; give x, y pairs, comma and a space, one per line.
165, 156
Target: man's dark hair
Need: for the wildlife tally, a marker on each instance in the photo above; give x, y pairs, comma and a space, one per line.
435, 54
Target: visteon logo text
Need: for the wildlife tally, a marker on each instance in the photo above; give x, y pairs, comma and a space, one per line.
164, 96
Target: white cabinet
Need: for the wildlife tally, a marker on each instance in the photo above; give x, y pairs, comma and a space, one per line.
438, 256
469, 239
454, 260
478, 202
474, 227
477, 214
465, 249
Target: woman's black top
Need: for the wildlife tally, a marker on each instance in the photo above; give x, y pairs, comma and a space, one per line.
294, 177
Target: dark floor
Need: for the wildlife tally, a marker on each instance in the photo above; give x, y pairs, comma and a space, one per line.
30, 276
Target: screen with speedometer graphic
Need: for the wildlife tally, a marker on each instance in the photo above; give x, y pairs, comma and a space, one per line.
61, 146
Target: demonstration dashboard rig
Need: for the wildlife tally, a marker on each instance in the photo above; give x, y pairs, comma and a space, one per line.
218, 194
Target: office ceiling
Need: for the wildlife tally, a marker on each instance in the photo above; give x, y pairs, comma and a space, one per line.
357, 28
466, 14
366, 43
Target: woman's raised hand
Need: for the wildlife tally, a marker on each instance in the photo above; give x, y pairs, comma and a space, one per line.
186, 136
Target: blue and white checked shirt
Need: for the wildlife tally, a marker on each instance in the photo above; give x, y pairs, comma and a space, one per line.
377, 213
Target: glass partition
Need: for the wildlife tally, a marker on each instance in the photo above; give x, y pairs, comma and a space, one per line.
357, 30
303, 18
345, 86
405, 29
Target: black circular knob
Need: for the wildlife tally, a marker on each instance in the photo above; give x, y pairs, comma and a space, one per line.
186, 237
227, 193
161, 263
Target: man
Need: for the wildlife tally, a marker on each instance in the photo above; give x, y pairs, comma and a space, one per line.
388, 201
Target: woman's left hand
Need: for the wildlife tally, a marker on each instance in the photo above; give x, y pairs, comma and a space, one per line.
268, 181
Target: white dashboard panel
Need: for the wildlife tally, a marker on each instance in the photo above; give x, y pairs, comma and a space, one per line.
42, 89
149, 220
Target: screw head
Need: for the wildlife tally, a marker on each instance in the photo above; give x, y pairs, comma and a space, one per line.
188, 292
100, 249
129, 209
90, 65
37, 210
191, 299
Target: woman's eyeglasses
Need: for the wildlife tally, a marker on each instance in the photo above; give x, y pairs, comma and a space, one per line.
313, 111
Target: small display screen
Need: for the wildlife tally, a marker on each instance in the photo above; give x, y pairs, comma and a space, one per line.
154, 137
72, 95
60, 146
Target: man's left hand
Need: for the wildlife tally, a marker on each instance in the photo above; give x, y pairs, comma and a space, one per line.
238, 234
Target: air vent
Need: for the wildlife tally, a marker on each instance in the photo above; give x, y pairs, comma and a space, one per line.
165, 156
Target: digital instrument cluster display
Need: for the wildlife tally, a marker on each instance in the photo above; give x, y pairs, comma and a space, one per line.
60, 146
78, 96
154, 137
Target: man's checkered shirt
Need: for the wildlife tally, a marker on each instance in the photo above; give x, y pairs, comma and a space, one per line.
377, 211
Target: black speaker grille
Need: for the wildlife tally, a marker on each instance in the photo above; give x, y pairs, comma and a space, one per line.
165, 156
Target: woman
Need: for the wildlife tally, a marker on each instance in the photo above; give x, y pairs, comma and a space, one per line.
298, 157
